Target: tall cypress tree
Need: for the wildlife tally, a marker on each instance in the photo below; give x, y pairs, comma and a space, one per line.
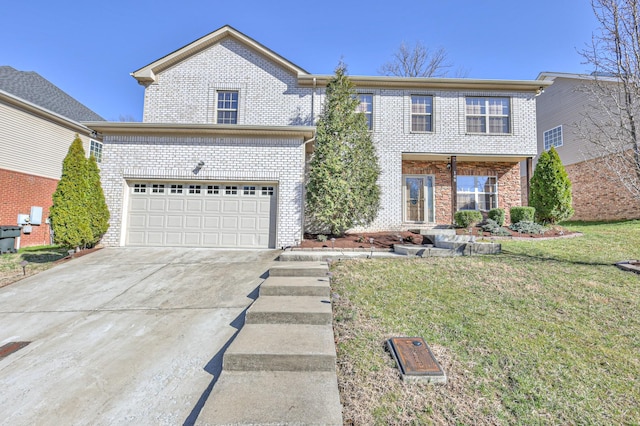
551, 193
96, 204
69, 216
342, 188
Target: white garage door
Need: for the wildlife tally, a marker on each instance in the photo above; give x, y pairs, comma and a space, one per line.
201, 214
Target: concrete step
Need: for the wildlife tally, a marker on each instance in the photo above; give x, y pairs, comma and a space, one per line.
290, 310
295, 286
300, 269
282, 347
273, 397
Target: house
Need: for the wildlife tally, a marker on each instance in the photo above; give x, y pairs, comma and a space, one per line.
597, 193
38, 122
219, 159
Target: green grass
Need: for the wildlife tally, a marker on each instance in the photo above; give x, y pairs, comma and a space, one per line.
546, 333
38, 259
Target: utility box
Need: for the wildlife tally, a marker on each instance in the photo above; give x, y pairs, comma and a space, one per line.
36, 215
8, 235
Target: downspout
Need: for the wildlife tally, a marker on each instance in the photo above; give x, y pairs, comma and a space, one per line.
304, 157
454, 188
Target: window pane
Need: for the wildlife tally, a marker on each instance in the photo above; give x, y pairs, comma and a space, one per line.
466, 202
421, 123
227, 117
475, 106
498, 125
476, 125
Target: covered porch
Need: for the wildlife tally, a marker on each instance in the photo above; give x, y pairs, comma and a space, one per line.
435, 186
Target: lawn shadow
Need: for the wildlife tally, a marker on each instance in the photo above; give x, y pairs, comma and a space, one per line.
43, 257
553, 259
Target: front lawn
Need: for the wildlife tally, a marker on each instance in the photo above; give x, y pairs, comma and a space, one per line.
546, 333
37, 259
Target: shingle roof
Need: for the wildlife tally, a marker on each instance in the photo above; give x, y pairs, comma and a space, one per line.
34, 88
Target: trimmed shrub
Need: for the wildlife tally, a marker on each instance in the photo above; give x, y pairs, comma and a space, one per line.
522, 214
498, 215
551, 193
527, 227
467, 218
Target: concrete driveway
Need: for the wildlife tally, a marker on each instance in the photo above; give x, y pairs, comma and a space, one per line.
123, 335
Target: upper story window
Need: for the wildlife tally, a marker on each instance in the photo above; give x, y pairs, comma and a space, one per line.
553, 137
366, 107
227, 107
95, 148
421, 113
488, 115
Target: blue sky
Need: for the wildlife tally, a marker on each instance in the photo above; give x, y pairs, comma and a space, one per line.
89, 48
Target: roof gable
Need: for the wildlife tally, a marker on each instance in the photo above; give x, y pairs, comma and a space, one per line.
147, 74
32, 87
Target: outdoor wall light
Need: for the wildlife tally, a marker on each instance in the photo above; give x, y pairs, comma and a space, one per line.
448, 166
198, 167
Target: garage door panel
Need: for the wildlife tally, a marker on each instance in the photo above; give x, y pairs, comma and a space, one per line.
224, 218
249, 206
155, 221
137, 220
229, 222
139, 205
154, 238
173, 238
229, 240
248, 223
192, 238
193, 222
175, 221
210, 239
212, 206
211, 222
175, 205
194, 206
230, 206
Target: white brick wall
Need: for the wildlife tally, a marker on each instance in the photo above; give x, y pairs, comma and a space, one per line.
226, 159
186, 93
270, 95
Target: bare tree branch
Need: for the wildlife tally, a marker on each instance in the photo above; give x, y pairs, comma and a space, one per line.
417, 61
610, 123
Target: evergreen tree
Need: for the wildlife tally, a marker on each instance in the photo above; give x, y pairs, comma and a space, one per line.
342, 189
551, 189
96, 204
69, 216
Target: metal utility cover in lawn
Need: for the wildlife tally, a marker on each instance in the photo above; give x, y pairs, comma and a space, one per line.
415, 360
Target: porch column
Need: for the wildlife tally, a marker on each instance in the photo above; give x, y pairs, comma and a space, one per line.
529, 173
454, 188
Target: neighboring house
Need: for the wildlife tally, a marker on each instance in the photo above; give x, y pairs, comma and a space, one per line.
597, 193
38, 122
228, 129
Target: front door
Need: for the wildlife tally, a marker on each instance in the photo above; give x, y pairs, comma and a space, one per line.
418, 199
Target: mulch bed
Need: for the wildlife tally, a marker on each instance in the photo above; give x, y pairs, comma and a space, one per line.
386, 240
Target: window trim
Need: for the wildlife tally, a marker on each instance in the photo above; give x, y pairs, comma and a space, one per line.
95, 148
553, 137
487, 116
412, 114
219, 110
368, 114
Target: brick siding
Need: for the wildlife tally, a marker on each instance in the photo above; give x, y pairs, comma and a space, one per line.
598, 195
18, 193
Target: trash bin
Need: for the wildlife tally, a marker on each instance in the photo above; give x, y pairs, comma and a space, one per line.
8, 235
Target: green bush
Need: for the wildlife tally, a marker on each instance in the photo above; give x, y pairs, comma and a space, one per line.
498, 215
467, 218
522, 214
527, 227
551, 192
492, 226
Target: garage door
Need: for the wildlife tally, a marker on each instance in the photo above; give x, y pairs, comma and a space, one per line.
201, 214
